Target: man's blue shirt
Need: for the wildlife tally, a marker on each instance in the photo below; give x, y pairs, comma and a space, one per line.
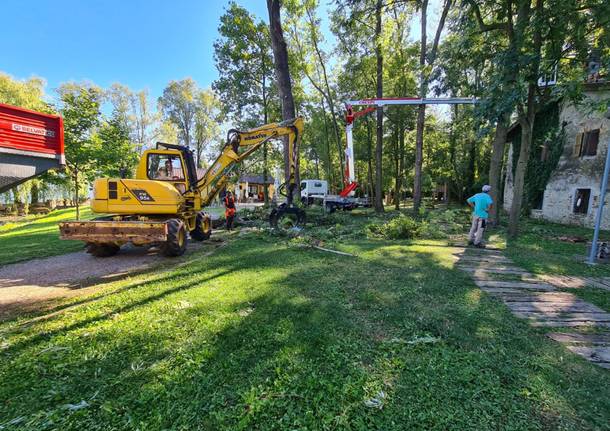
481, 201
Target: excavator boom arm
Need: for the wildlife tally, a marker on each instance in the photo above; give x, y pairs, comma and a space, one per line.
240, 145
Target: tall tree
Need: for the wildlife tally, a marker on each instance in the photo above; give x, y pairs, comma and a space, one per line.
306, 38
379, 94
27, 93
144, 119
166, 132
207, 120
117, 156
133, 110
426, 63
538, 38
359, 28
80, 108
179, 105
400, 80
526, 114
282, 74
244, 60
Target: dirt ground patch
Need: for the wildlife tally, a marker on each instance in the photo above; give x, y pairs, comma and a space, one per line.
31, 285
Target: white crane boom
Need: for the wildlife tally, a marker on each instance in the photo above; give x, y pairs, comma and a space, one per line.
413, 101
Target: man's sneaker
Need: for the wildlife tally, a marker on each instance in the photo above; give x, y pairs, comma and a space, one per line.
479, 245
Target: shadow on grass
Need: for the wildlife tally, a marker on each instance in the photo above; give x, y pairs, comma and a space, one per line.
281, 338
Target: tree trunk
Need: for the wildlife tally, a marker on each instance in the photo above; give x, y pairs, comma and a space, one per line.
76, 197
265, 174
35, 193
379, 143
421, 112
423, 89
519, 182
396, 154
199, 148
326, 91
265, 149
452, 148
369, 135
282, 73
329, 167
472, 165
329, 98
419, 157
527, 116
495, 167
187, 132
401, 165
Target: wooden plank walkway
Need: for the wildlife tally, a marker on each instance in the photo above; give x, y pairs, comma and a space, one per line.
593, 347
537, 300
573, 282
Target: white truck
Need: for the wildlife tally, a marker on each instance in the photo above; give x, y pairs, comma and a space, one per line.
316, 191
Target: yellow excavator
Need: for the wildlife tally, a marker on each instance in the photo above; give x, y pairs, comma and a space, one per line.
164, 204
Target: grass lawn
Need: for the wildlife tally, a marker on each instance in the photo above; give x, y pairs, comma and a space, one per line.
266, 335
539, 249
38, 237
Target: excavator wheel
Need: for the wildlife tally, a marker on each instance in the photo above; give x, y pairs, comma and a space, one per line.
286, 217
102, 250
203, 227
176, 238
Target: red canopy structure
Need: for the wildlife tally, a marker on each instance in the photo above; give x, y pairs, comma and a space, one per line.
31, 143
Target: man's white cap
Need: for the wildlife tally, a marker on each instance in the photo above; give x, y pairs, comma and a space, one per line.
486, 188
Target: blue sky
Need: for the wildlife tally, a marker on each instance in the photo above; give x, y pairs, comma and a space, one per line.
142, 44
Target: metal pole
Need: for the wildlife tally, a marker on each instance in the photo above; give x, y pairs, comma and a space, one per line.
600, 208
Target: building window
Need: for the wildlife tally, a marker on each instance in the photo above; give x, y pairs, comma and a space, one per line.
538, 201
581, 201
586, 143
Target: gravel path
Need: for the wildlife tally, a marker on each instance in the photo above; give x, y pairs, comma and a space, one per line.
28, 285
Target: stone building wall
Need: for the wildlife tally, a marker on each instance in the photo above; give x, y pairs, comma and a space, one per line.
574, 173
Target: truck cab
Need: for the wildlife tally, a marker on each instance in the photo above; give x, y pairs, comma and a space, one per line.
313, 189
316, 191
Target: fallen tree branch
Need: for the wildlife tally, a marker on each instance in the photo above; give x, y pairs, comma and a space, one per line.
342, 253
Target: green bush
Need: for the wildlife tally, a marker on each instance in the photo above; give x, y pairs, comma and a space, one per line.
254, 214
401, 227
318, 217
447, 222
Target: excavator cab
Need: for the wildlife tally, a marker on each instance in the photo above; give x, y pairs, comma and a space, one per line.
169, 162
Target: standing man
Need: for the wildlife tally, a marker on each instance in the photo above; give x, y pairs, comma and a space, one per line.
229, 202
481, 203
